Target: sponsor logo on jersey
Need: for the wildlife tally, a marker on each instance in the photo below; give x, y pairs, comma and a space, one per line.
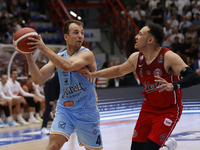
72, 89
68, 103
157, 71
141, 58
61, 124
150, 87
148, 72
168, 122
160, 59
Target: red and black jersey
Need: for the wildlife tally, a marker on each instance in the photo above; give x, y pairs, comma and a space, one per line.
146, 74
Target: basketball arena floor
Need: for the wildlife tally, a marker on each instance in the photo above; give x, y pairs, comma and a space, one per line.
119, 109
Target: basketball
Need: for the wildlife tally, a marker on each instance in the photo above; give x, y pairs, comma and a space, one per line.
20, 40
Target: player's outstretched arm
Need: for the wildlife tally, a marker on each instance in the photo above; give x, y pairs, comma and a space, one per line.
115, 71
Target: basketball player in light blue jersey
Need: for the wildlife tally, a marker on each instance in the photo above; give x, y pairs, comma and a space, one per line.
77, 104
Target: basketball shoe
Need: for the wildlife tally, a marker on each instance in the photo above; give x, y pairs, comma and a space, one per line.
170, 144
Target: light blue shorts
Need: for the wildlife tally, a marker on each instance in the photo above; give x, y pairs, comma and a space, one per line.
85, 122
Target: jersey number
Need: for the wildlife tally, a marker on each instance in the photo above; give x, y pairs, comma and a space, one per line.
98, 140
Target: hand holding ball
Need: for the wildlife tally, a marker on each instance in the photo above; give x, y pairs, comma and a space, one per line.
20, 40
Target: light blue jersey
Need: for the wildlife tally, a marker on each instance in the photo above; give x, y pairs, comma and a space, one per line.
76, 91
77, 108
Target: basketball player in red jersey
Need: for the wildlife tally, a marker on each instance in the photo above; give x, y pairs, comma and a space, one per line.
159, 70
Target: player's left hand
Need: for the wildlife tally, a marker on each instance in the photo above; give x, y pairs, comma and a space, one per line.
164, 84
36, 42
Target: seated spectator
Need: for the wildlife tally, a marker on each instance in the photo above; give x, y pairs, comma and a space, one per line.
24, 9
186, 12
167, 13
157, 15
15, 24
15, 8
4, 12
30, 88
191, 33
153, 5
8, 38
30, 98
184, 24
3, 25
190, 48
173, 21
175, 33
168, 33
178, 48
196, 23
30, 24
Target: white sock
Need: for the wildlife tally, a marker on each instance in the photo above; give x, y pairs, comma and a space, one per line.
1, 120
19, 116
8, 119
41, 112
31, 115
37, 115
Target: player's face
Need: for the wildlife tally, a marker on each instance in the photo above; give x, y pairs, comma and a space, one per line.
14, 75
142, 38
76, 36
4, 79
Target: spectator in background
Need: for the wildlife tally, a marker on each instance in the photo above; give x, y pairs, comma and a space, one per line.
184, 24
139, 16
15, 24
178, 48
190, 48
189, 62
196, 23
177, 34
168, 33
4, 12
186, 12
8, 38
24, 9
167, 13
15, 8
157, 15
196, 66
2, 4
173, 21
30, 24
153, 5
3, 25
191, 33
29, 88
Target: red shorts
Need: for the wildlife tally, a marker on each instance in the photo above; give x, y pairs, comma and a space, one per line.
156, 125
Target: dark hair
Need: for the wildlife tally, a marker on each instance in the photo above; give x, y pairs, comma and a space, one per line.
157, 31
68, 22
12, 70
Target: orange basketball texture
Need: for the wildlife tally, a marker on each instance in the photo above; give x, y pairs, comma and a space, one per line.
20, 40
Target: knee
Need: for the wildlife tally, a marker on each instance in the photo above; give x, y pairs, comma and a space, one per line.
53, 146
